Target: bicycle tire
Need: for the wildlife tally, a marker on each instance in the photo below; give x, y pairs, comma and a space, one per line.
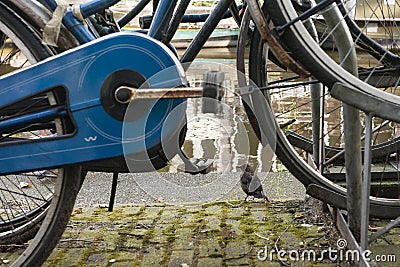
37, 15
257, 71
35, 52
304, 48
380, 207
56, 219
54, 206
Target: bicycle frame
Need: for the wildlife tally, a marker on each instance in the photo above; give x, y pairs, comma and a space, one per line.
163, 26
97, 135
95, 132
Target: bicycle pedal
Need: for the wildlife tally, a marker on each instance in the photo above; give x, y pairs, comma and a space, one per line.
47, 174
145, 22
197, 166
213, 91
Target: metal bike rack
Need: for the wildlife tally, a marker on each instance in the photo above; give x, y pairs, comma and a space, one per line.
352, 125
355, 230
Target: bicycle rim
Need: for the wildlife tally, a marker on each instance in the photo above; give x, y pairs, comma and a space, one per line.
291, 101
34, 199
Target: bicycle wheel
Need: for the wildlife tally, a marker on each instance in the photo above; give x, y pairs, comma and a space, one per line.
27, 198
16, 57
290, 99
321, 59
300, 134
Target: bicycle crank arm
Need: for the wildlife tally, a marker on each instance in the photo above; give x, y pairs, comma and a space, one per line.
212, 88
83, 82
125, 94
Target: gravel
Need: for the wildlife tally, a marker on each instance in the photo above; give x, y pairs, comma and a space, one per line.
182, 187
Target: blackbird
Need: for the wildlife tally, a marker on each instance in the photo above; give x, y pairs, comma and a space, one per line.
250, 183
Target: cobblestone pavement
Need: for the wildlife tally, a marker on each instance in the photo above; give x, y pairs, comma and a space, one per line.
228, 233
224, 233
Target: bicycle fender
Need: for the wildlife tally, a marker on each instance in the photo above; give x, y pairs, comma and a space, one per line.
37, 15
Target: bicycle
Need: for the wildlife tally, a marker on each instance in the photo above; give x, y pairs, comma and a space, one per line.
116, 164
305, 142
60, 115
150, 156
380, 108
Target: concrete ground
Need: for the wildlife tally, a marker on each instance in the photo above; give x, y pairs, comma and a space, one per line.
182, 187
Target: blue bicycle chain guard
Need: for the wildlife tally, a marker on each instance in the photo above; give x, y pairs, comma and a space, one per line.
82, 72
